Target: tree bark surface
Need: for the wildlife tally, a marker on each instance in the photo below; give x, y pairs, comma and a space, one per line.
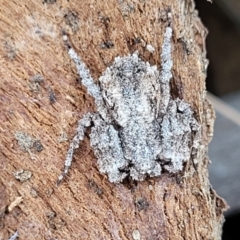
41, 102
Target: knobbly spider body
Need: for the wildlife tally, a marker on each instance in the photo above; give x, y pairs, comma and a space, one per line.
138, 129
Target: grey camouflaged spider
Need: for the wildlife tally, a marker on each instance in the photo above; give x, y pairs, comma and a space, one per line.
138, 129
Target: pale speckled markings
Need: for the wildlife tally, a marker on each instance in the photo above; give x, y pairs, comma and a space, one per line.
14, 236
138, 129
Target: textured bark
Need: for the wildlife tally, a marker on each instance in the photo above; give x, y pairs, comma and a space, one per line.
41, 99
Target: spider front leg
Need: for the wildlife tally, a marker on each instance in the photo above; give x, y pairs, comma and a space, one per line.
166, 70
86, 79
83, 124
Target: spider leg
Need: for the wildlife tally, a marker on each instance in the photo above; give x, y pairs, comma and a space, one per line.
166, 69
107, 147
83, 71
86, 79
83, 124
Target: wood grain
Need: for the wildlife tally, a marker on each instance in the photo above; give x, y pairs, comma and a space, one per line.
86, 205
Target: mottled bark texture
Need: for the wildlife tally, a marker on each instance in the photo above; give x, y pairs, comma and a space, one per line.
41, 101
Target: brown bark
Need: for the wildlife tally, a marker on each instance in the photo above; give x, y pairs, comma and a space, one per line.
86, 205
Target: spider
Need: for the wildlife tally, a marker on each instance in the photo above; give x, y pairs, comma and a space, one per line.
138, 129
